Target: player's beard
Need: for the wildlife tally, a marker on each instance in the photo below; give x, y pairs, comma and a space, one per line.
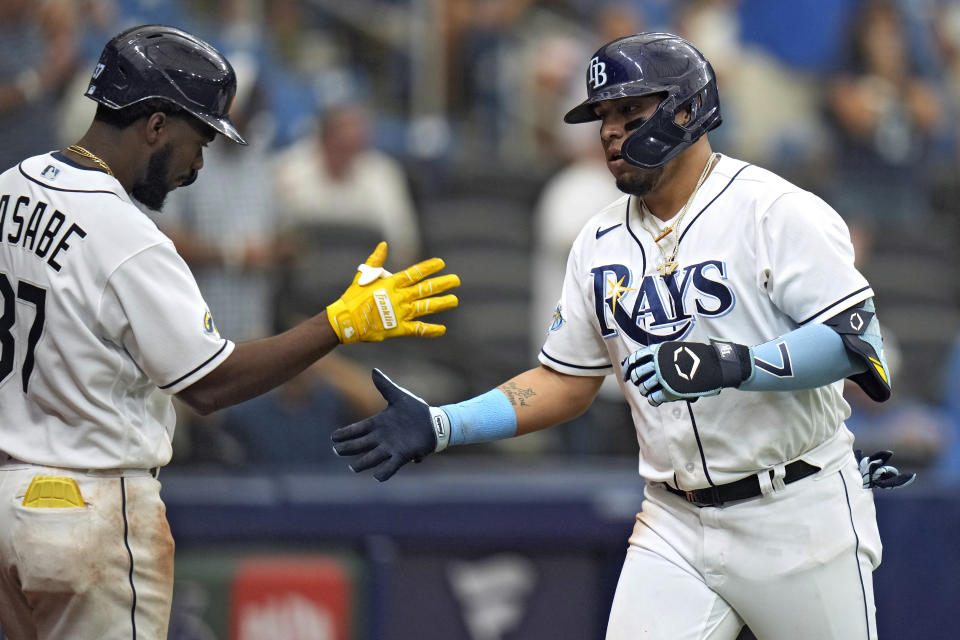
640, 182
152, 188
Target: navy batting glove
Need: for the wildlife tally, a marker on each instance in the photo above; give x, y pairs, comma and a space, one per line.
385, 442
687, 370
877, 474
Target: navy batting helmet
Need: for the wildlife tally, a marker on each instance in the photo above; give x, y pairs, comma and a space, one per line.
654, 63
156, 61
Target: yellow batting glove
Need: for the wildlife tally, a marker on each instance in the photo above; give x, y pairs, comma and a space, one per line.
379, 304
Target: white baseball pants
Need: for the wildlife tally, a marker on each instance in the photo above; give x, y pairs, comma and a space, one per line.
794, 564
103, 571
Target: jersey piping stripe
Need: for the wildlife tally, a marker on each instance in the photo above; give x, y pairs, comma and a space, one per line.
696, 434
643, 253
574, 366
201, 366
52, 188
126, 543
833, 304
707, 206
856, 554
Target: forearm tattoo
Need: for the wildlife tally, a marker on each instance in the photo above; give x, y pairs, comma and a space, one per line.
516, 395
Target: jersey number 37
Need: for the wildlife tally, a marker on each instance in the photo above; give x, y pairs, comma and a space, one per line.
31, 294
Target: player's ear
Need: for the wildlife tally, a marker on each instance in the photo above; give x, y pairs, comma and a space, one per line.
155, 126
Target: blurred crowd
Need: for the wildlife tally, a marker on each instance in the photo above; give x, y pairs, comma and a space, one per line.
437, 125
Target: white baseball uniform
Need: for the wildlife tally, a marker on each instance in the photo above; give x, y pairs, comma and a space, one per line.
758, 257
101, 323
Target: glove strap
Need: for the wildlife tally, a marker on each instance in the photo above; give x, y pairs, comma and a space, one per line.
342, 323
441, 427
735, 362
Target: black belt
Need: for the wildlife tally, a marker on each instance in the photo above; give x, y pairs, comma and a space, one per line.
741, 489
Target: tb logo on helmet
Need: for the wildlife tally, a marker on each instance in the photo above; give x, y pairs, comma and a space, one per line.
598, 73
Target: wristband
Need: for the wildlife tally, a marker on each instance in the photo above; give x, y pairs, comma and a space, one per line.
441, 427
487, 417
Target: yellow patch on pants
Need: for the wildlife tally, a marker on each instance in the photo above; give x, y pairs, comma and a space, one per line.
53, 492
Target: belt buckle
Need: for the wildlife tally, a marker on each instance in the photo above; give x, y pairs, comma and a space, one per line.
690, 496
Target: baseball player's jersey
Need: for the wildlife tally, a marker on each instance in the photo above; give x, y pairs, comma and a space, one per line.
758, 257
101, 322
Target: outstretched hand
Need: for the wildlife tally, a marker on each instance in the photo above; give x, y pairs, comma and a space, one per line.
379, 304
385, 442
877, 474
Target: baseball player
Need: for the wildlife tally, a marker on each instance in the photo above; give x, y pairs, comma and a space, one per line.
725, 301
101, 322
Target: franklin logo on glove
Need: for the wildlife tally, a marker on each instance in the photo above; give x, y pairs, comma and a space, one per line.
387, 316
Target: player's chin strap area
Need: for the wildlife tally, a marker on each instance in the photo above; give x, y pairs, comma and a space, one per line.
847, 345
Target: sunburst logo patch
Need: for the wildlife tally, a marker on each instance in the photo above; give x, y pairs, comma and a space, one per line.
208, 326
557, 318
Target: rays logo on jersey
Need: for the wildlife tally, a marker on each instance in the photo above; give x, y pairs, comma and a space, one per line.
659, 308
208, 327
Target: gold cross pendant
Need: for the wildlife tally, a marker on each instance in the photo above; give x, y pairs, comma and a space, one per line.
668, 267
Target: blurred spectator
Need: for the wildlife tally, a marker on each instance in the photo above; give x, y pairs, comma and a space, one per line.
38, 39
568, 200
790, 138
474, 32
804, 35
337, 198
291, 425
224, 225
338, 178
554, 82
96, 21
884, 109
540, 91
946, 27
575, 193
618, 18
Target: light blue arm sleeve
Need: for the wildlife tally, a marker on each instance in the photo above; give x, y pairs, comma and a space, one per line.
811, 356
489, 416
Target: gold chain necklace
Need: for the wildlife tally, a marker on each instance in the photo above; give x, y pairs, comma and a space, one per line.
80, 151
669, 263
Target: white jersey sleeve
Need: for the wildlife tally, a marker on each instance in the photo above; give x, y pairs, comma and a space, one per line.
806, 260
104, 322
574, 343
152, 305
